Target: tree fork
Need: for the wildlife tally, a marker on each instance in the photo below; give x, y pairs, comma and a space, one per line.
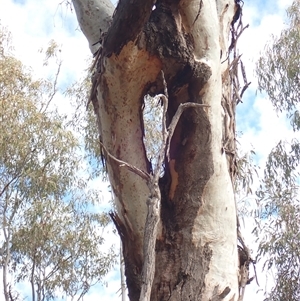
196, 245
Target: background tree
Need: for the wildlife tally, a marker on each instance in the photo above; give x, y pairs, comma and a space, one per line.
278, 221
180, 52
278, 197
51, 231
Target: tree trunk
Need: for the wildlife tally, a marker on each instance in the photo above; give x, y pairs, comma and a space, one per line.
196, 245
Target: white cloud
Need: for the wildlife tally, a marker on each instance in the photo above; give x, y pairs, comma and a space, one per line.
262, 25
34, 24
261, 126
272, 129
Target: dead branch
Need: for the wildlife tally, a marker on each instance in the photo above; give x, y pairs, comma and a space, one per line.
154, 201
142, 174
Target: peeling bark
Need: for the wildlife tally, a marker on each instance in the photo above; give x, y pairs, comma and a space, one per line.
196, 244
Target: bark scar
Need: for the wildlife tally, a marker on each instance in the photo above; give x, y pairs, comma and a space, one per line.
174, 179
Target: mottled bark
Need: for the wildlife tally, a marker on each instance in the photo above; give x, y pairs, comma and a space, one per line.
196, 245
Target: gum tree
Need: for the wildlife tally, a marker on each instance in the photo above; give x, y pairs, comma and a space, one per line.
278, 196
176, 213
50, 238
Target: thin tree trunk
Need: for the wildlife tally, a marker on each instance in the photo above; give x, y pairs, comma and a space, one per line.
7, 223
32, 281
6, 254
122, 274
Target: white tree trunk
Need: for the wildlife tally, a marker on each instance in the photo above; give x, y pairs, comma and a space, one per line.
196, 248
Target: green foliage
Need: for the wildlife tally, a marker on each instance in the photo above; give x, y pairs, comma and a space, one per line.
51, 231
278, 229
246, 172
86, 124
64, 248
246, 169
278, 215
278, 70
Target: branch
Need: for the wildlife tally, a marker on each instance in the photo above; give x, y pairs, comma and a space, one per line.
7, 184
18, 175
54, 89
56, 268
139, 172
244, 89
94, 18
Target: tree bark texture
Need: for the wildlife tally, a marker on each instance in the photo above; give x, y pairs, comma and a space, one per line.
196, 245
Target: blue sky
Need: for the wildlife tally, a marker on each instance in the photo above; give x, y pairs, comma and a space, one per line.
34, 23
